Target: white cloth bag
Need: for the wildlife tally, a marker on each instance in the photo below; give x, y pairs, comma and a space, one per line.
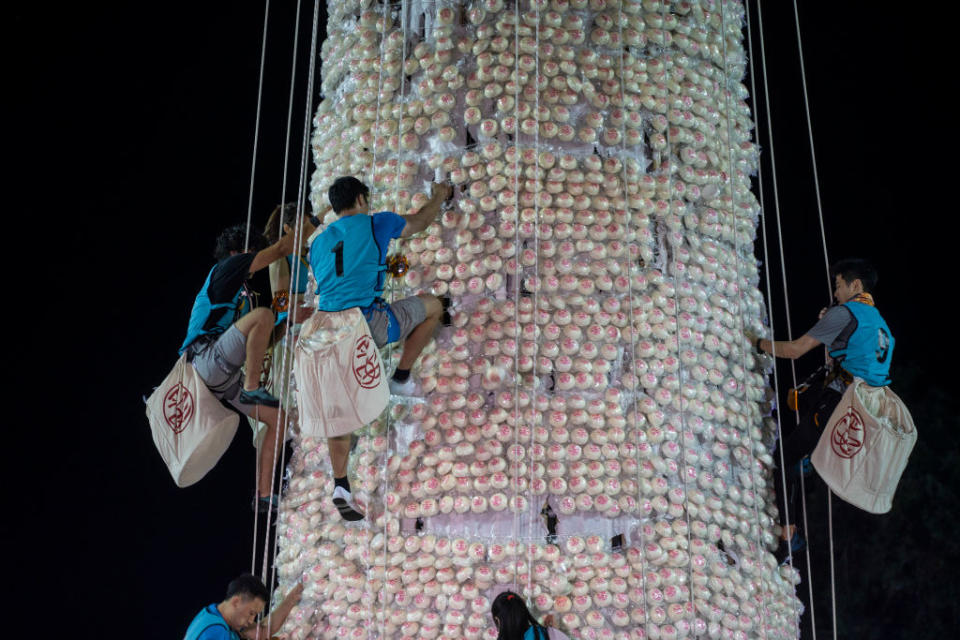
341, 379
191, 429
865, 445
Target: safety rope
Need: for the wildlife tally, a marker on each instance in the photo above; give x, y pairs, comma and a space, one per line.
517, 420
382, 28
278, 426
766, 263
737, 345
283, 416
813, 158
634, 387
672, 251
776, 197
385, 472
246, 243
531, 519
826, 261
256, 126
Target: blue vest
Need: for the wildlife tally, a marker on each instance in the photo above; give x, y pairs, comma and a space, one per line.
869, 348
298, 287
208, 617
348, 264
302, 273
202, 308
536, 633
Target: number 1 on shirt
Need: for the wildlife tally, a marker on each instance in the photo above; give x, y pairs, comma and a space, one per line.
338, 252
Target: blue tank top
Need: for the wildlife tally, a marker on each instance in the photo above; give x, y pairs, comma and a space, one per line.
869, 349
207, 618
302, 273
301, 269
349, 259
202, 308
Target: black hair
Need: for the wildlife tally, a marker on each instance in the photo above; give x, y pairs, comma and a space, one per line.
283, 214
344, 191
851, 269
514, 618
234, 239
248, 586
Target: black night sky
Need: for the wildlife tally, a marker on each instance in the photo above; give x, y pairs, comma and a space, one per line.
132, 127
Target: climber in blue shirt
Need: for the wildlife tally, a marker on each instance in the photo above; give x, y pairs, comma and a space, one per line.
349, 262
230, 329
236, 616
858, 343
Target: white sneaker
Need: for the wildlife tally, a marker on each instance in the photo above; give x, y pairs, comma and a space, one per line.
402, 388
343, 501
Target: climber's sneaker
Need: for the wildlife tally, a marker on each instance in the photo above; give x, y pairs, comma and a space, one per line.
446, 318
258, 396
797, 544
405, 388
343, 501
265, 504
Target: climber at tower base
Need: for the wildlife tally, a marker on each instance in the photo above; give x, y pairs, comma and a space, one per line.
235, 617
514, 621
858, 344
228, 330
349, 262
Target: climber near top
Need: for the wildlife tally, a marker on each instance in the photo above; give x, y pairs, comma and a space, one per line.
228, 330
858, 344
349, 262
236, 616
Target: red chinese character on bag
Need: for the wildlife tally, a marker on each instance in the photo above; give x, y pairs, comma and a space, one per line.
178, 407
847, 436
366, 362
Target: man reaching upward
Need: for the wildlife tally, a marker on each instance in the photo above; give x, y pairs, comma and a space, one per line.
349, 261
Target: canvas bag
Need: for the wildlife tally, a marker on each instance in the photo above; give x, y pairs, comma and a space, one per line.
191, 429
341, 379
864, 447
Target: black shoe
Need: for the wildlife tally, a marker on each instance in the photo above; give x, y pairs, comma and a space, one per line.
264, 504
343, 501
550, 518
796, 545
258, 396
445, 318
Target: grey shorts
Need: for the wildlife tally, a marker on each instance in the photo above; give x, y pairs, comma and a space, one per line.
219, 362
396, 323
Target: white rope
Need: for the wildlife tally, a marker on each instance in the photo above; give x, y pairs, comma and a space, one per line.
833, 580
676, 313
826, 261
376, 122
256, 126
634, 390
374, 189
813, 157
256, 511
531, 519
385, 473
246, 246
766, 263
738, 345
514, 467
282, 386
803, 512
279, 426
776, 197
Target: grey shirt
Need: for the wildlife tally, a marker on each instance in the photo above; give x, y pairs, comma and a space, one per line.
827, 330
831, 324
